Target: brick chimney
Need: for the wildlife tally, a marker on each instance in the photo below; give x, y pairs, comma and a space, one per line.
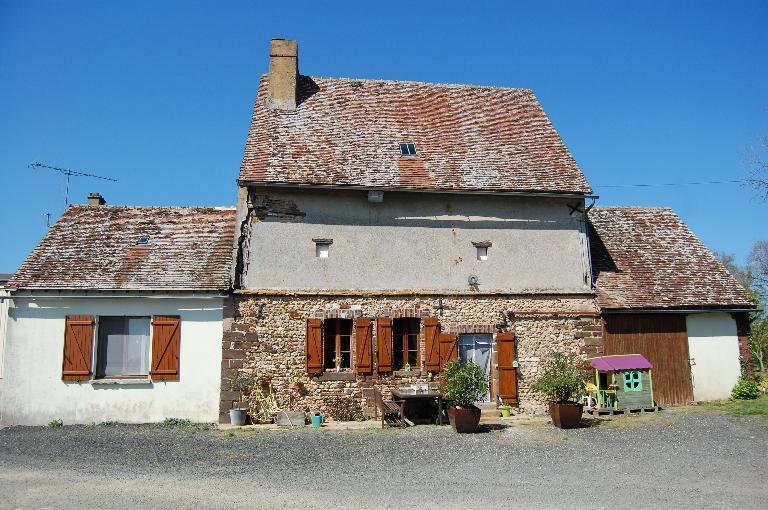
283, 74
96, 199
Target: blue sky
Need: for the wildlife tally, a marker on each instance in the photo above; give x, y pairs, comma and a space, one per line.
159, 94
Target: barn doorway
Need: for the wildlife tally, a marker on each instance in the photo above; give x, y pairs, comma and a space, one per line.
663, 340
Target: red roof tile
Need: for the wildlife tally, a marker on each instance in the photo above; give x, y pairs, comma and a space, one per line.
346, 132
95, 247
647, 258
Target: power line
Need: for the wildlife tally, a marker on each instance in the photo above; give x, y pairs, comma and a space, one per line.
734, 181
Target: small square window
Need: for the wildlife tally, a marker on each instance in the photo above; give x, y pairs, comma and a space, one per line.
321, 250
632, 381
482, 253
408, 149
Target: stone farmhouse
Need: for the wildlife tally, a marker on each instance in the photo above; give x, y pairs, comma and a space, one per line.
391, 226
382, 228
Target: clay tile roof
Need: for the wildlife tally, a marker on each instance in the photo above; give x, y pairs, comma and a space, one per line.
95, 247
647, 258
346, 132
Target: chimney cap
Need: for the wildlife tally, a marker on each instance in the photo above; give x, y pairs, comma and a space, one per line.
96, 199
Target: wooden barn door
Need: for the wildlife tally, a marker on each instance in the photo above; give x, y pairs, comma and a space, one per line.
663, 339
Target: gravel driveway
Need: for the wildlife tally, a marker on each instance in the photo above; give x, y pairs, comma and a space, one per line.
674, 460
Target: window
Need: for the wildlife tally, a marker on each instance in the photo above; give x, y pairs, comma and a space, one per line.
632, 381
123, 347
405, 343
482, 253
322, 247
408, 149
338, 340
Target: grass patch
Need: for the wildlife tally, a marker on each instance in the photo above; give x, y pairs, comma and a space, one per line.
757, 407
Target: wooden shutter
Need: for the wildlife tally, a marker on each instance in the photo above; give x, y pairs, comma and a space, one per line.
449, 348
432, 344
78, 346
166, 336
314, 346
505, 345
363, 346
384, 343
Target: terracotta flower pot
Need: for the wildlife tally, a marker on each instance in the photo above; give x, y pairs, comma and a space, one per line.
464, 419
566, 415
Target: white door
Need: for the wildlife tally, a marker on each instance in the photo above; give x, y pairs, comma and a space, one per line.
477, 348
713, 348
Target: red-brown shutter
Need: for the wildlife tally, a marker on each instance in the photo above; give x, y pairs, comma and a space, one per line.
432, 344
166, 337
505, 345
78, 346
384, 343
449, 348
363, 346
314, 346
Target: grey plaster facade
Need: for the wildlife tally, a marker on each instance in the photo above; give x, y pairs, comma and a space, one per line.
411, 241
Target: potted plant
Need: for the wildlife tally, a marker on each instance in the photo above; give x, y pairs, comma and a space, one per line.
462, 386
338, 360
506, 410
563, 382
242, 383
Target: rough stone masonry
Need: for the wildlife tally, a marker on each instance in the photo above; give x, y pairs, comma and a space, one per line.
265, 337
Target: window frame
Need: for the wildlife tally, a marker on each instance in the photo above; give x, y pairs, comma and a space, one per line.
400, 337
629, 379
97, 351
328, 364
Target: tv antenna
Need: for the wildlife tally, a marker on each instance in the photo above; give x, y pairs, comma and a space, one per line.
69, 173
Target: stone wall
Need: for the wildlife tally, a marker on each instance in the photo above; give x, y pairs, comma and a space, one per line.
266, 338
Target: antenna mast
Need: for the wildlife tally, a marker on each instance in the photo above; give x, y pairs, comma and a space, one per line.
69, 173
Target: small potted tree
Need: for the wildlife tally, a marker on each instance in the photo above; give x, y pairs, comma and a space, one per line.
563, 382
462, 386
243, 384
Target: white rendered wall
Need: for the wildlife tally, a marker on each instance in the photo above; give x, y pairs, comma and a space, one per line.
714, 351
34, 394
3, 323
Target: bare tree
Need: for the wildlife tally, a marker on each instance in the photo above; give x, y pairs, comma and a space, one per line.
757, 266
758, 173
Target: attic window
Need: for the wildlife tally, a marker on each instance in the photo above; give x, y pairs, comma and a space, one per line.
408, 149
143, 240
322, 247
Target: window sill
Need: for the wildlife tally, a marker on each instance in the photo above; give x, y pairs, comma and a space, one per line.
407, 373
121, 382
337, 376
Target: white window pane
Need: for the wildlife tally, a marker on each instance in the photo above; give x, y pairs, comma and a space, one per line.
123, 347
482, 253
321, 250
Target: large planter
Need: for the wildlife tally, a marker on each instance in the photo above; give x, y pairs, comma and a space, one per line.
464, 419
238, 417
566, 415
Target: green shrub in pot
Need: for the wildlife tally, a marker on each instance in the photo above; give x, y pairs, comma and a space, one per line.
563, 382
462, 386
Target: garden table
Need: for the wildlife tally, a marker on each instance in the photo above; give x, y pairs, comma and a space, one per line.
420, 399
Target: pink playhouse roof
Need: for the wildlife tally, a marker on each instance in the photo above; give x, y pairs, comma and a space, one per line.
621, 362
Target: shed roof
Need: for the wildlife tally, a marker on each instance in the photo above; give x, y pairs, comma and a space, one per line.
620, 362
97, 247
647, 258
346, 132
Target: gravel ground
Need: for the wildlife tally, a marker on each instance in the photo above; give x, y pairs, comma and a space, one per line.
675, 460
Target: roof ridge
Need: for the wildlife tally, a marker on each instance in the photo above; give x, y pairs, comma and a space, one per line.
415, 82
180, 207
